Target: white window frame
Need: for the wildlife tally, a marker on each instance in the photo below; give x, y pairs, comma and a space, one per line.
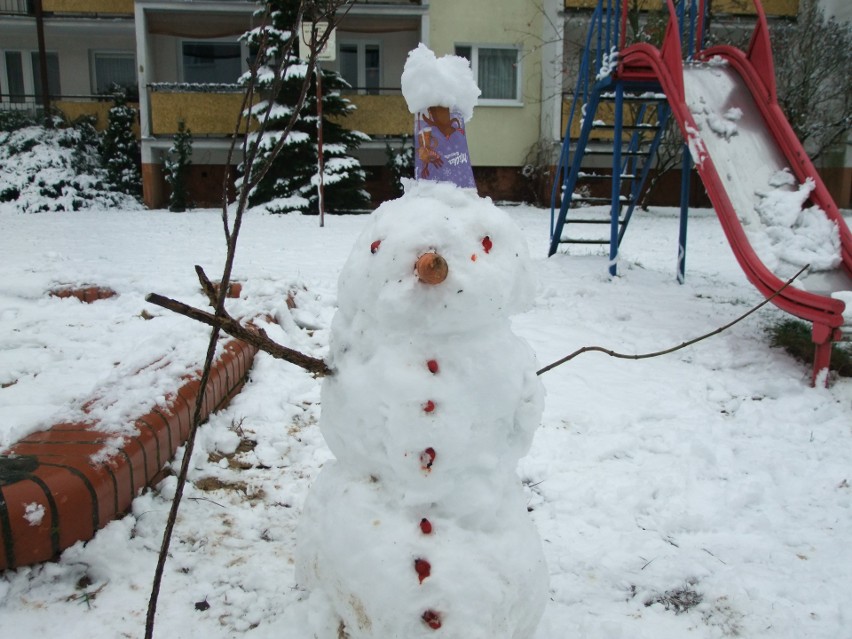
27, 69
115, 53
244, 53
517, 101
361, 55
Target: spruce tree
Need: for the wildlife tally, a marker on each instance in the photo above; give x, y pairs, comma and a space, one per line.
119, 148
400, 162
176, 167
291, 182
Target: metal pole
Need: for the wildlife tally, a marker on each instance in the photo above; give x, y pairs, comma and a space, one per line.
615, 210
686, 169
42, 63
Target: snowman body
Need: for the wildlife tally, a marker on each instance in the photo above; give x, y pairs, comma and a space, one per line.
420, 527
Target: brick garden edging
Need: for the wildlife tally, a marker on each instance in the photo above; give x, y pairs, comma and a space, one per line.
53, 469
86, 295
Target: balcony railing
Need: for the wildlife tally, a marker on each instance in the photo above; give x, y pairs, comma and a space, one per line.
71, 107
379, 112
212, 110
205, 109
104, 7
780, 8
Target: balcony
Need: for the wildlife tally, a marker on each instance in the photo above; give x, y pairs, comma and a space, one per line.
71, 107
206, 110
211, 111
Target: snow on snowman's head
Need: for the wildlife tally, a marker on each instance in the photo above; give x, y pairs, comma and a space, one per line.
488, 272
429, 81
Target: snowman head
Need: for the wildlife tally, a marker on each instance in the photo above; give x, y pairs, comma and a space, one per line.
440, 259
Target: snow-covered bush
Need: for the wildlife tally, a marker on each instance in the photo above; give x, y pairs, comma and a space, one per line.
55, 170
14, 120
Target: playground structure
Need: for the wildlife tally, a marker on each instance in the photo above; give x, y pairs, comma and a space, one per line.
631, 92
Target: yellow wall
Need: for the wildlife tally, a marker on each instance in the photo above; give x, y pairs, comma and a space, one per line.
497, 135
379, 115
202, 113
88, 6
72, 110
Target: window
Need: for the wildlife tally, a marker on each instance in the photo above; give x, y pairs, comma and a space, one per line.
211, 62
52, 74
360, 65
113, 68
15, 76
20, 75
497, 71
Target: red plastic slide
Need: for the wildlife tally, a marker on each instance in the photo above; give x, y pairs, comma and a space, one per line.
755, 171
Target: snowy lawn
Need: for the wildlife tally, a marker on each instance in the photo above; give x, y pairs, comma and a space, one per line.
703, 494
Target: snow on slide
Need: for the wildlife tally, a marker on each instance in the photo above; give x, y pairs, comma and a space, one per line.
769, 202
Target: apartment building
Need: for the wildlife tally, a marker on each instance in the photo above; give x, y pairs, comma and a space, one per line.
181, 59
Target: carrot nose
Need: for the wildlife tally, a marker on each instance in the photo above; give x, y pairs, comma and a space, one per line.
431, 268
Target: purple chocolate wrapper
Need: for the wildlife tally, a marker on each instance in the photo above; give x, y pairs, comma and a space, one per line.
440, 149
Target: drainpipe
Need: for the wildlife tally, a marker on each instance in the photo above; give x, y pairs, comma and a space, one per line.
42, 64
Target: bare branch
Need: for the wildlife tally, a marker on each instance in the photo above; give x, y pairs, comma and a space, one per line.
206, 285
220, 319
253, 335
611, 353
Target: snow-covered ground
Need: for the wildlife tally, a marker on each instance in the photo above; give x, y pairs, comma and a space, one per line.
703, 494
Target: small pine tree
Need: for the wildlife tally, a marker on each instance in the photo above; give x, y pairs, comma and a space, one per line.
119, 148
176, 166
291, 182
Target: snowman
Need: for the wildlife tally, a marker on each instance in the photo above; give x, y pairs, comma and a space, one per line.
419, 527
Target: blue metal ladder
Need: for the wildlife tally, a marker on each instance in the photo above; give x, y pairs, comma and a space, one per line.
634, 143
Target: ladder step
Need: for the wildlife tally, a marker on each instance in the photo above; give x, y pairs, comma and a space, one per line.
638, 154
597, 176
635, 97
628, 127
584, 241
623, 199
590, 221
591, 200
